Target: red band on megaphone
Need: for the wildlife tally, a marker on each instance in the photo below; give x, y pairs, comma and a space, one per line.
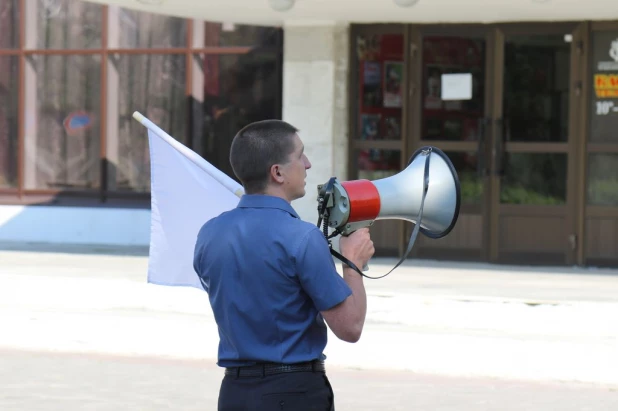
364, 200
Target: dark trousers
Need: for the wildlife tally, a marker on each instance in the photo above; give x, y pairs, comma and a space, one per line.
298, 391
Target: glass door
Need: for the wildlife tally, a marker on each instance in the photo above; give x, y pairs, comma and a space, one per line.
377, 125
531, 145
599, 225
456, 124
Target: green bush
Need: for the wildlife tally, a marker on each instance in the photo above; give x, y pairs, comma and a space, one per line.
603, 192
471, 189
521, 195
472, 193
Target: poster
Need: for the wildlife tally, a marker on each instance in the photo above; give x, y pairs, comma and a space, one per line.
370, 126
392, 128
457, 86
372, 84
433, 99
604, 90
393, 80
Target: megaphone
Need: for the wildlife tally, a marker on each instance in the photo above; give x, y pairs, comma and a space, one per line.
426, 193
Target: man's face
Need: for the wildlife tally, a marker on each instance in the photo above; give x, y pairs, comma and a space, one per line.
295, 171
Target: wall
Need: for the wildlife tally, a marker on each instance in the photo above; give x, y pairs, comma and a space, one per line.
315, 99
75, 225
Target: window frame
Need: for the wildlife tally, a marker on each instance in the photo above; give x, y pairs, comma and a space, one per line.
102, 196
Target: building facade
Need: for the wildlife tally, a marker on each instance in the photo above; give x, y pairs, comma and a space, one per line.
74, 164
533, 135
535, 143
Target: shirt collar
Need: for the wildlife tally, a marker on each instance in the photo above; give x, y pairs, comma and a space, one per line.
266, 201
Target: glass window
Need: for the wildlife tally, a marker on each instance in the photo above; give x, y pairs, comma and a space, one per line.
68, 24
65, 148
604, 90
155, 86
147, 30
534, 178
239, 35
9, 24
603, 180
373, 164
536, 88
452, 120
380, 72
9, 67
466, 165
238, 90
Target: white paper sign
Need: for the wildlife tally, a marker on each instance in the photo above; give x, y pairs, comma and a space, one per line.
457, 86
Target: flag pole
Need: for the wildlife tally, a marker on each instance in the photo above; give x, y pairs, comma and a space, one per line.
213, 171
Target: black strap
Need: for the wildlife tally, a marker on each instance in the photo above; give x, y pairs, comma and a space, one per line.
417, 227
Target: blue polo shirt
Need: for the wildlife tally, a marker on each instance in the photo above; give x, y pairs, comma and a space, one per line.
268, 274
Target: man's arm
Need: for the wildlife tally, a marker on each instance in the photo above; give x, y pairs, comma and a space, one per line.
342, 302
347, 319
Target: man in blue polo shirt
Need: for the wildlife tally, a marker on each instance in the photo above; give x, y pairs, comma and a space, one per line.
272, 282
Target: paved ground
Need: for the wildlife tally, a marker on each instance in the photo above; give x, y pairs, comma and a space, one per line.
434, 279
80, 327
34, 381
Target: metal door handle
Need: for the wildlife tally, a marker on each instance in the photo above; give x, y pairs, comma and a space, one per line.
499, 152
480, 150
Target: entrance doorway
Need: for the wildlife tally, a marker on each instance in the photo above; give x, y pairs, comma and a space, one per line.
512, 139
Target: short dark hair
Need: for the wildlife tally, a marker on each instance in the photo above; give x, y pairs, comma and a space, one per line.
256, 148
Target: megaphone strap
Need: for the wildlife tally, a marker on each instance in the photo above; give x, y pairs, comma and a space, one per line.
415, 232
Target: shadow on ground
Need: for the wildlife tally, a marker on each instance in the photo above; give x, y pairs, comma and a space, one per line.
96, 249
384, 263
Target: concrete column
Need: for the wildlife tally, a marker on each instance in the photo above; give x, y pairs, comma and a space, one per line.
315, 100
30, 98
197, 90
112, 148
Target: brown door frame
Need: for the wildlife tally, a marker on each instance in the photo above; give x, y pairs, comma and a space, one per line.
353, 115
497, 210
491, 209
577, 175
414, 138
577, 147
585, 148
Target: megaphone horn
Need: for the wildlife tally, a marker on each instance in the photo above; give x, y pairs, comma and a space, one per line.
426, 193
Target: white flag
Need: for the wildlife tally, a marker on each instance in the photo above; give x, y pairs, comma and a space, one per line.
186, 192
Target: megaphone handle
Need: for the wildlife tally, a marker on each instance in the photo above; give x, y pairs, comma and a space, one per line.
366, 267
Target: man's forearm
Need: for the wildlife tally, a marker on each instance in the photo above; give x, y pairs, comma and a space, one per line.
355, 282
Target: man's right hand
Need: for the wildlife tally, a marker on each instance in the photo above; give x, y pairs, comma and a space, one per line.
357, 247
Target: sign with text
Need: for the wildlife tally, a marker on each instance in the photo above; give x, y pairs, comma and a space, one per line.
457, 86
604, 98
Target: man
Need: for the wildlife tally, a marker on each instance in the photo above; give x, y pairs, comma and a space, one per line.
272, 282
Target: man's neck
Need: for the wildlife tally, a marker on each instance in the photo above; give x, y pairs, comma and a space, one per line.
275, 192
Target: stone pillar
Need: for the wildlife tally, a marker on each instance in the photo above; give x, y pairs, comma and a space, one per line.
112, 148
30, 98
315, 100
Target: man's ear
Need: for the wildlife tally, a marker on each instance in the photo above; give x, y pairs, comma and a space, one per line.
275, 173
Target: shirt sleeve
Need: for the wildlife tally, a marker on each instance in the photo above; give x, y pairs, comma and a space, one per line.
197, 258
317, 274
